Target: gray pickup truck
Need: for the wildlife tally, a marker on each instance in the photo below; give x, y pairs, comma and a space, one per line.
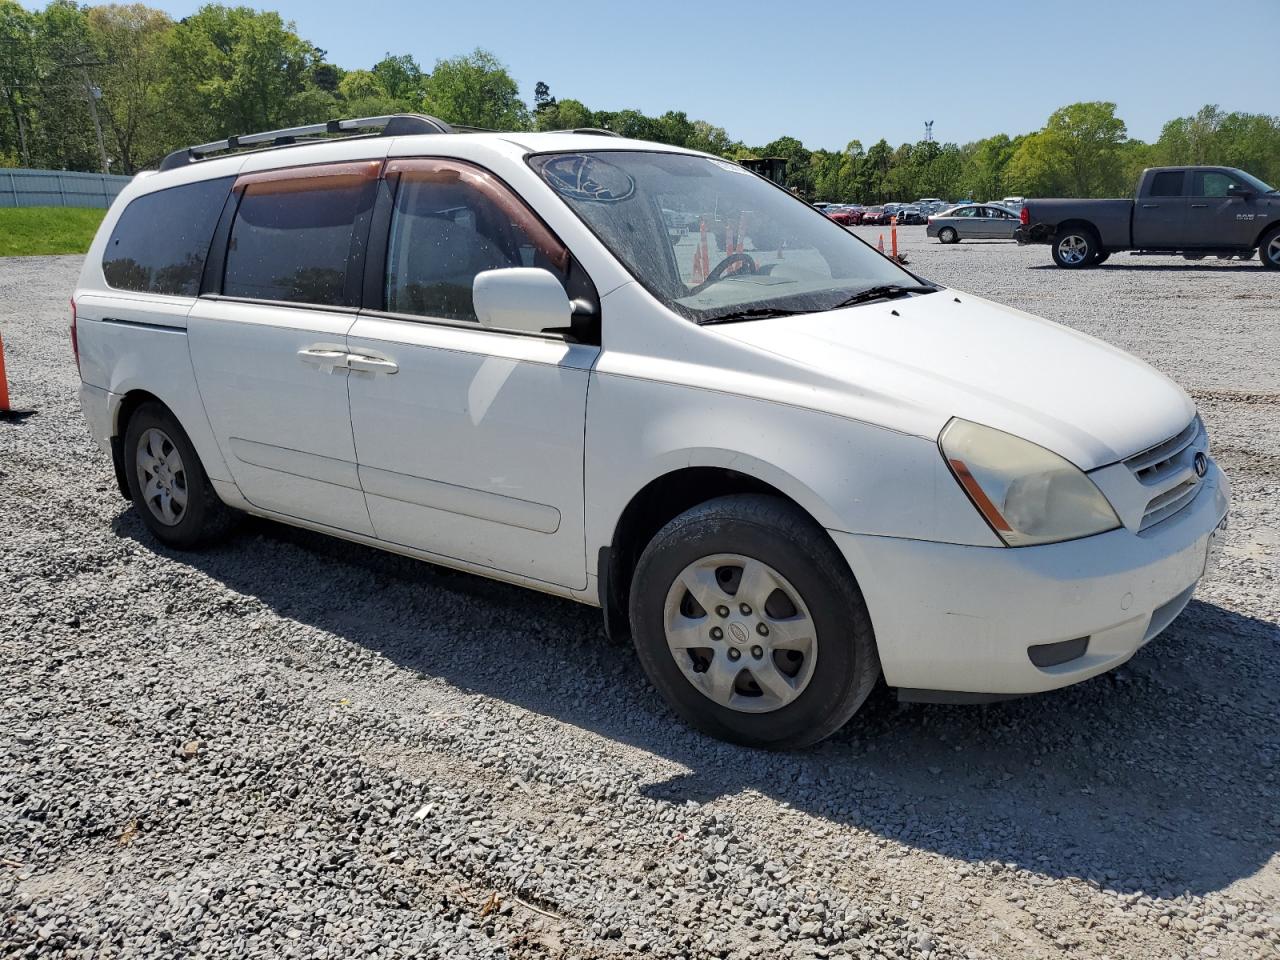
1194, 211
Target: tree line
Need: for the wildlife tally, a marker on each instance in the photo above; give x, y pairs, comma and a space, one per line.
114, 87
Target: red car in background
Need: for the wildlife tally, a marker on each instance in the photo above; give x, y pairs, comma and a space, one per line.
846, 216
876, 216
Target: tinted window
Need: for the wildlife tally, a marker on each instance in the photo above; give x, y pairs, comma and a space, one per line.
449, 223
160, 242
291, 239
1210, 183
965, 212
1167, 184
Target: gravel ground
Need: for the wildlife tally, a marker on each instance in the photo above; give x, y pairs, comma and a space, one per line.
292, 747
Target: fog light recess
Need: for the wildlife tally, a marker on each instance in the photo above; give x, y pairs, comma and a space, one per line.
1052, 654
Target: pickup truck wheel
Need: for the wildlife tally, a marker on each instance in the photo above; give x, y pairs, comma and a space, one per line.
1269, 249
1075, 248
748, 622
948, 235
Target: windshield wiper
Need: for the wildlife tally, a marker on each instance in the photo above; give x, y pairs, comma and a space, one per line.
754, 313
886, 291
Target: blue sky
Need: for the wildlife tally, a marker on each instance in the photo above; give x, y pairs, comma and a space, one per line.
828, 71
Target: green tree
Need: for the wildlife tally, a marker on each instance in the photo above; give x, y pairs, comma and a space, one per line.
235, 70
130, 43
1079, 152
475, 90
401, 78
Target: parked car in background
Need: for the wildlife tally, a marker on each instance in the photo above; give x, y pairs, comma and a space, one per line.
848, 215
877, 216
1013, 203
910, 215
1195, 211
973, 222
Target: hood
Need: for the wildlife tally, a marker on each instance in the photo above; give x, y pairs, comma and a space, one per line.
955, 355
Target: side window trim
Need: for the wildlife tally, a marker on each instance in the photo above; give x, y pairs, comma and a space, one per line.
379, 243
213, 281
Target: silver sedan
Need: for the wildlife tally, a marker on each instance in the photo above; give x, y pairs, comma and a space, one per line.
973, 222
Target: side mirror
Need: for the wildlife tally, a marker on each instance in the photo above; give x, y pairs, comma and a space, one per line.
1239, 190
524, 299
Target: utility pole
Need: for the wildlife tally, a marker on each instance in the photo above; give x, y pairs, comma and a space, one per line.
93, 93
928, 131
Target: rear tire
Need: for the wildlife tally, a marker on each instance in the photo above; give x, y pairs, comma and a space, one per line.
948, 235
1074, 248
1269, 249
167, 482
779, 651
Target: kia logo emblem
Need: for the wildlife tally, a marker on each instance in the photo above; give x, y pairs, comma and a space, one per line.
1201, 464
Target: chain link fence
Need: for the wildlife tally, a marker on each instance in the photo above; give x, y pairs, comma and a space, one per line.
58, 188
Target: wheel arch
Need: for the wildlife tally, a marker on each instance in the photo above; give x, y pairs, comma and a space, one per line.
1077, 223
660, 500
1266, 228
123, 411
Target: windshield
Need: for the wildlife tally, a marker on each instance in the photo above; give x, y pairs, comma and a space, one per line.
712, 240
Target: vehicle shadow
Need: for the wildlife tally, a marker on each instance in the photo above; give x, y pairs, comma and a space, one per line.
1158, 777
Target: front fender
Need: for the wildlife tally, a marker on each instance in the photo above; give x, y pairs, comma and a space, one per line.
848, 475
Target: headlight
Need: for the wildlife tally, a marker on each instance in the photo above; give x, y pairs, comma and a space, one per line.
1027, 493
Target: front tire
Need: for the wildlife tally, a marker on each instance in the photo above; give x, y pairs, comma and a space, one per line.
1269, 249
167, 482
747, 620
1075, 248
948, 235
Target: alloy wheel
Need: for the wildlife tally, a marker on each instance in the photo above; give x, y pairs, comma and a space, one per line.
162, 477
740, 633
1073, 249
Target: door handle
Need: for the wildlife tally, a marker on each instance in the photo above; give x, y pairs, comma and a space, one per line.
371, 364
1150, 206
1197, 206
326, 359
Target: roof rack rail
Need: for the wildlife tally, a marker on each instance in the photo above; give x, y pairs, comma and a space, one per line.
392, 125
591, 131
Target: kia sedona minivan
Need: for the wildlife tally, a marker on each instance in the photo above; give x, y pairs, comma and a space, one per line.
645, 379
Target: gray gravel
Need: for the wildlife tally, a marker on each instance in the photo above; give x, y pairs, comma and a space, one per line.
292, 747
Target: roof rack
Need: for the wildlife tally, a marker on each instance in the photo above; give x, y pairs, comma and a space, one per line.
591, 131
392, 125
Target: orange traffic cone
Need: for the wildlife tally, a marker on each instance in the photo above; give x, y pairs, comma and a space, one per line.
7, 412
880, 244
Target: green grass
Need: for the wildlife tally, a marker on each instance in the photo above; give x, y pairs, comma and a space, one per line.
25, 231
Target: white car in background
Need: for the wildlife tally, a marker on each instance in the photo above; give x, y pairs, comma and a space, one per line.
785, 469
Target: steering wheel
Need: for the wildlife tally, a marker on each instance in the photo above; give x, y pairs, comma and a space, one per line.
721, 270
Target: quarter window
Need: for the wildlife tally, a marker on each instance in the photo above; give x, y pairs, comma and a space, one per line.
1167, 183
160, 242
451, 221
292, 236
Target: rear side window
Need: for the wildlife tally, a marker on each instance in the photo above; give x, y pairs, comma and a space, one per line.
160, 242
1167, 183
291, 239
451, 221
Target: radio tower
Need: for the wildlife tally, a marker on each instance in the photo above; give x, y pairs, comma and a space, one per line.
928, 131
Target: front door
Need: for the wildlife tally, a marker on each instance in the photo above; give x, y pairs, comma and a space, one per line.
269, 349
1215, 219
469, 440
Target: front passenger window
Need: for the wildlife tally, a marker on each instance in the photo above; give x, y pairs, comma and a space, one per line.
450, 222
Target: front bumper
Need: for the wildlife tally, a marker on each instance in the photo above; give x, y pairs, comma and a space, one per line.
960, 618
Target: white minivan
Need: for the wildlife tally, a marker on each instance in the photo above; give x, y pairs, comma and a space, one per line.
781, 463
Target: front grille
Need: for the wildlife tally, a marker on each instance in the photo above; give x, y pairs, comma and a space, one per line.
1168, 470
